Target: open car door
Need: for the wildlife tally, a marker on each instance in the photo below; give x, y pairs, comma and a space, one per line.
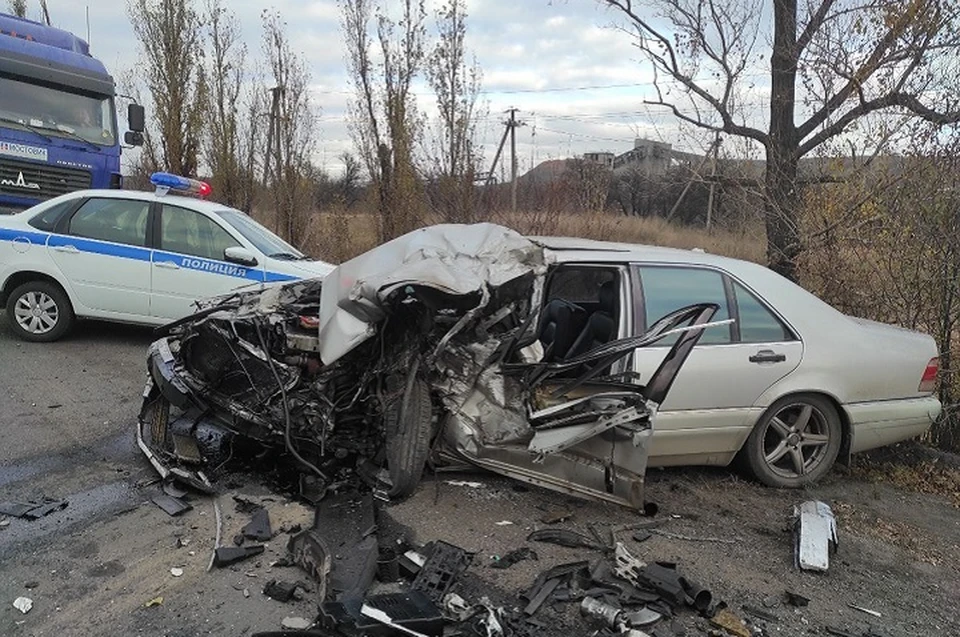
580, 432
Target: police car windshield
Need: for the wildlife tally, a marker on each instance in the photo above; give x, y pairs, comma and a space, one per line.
262, 239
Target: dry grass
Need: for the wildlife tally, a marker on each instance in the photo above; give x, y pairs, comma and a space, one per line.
337, 235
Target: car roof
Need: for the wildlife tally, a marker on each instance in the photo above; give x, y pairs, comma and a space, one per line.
575, 249
194, 203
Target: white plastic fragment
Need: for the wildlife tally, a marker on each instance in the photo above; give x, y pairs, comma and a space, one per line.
504, 523
378, 615
464, 483
815, 534
176, 571
295, 623
865, 610
23, 604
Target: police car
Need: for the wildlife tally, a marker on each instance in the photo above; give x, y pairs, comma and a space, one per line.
133, 257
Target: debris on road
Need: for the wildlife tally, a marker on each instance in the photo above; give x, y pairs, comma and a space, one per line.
176, 571
728, 621
156, 601
760, 613
795, 599
565, 537
444, 565
171, 505
865, 610
32, 509
295, 623
815, 535
464, 483
517, 555
23, 604
227, 555
258, 529
556, 516
280, 590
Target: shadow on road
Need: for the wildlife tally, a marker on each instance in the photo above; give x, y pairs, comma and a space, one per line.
90, 331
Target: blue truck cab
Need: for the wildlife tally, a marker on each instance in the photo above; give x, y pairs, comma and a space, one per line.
58, 119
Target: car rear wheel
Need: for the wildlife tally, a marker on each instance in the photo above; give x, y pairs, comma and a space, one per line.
409, 425
795, 443
39, 311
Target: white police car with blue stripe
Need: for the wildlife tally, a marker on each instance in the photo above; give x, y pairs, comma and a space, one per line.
133, 257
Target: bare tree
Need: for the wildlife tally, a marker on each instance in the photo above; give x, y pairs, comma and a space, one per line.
228, 147
457, 86
832, 62
384, 119
18, 8
172, 66
292, 120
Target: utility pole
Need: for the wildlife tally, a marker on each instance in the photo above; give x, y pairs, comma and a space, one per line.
510, 128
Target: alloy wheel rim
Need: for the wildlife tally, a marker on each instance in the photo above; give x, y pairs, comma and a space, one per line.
36, 312
795, 440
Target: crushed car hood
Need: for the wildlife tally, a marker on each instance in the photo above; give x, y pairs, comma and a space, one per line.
454, 259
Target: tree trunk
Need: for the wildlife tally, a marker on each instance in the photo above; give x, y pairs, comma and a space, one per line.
782, 204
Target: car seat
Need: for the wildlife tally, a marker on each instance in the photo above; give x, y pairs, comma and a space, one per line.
560, 323
601, 326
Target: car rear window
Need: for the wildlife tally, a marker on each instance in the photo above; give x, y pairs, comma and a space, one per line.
757, 323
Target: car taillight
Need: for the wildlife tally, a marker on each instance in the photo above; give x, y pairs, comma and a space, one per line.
928, 382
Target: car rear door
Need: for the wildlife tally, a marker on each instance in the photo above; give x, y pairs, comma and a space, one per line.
711, 407
189, 262
101, 249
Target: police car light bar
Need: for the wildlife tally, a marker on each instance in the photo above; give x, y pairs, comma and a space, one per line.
166, 181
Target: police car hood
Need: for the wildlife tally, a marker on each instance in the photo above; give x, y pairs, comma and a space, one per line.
302, 269
455, 259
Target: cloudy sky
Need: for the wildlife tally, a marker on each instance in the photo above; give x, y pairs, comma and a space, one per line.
577, 80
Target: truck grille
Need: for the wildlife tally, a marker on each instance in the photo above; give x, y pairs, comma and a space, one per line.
40, 181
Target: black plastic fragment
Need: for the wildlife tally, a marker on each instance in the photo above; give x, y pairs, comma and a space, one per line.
259, 526
565, 537
171, 506
413, 610
172, 490
279, 590
760, 613
541, 595
514, 556
226, 555
444, 565
33, 509
795, 599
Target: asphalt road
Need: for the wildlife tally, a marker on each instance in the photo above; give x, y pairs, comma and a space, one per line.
67, 411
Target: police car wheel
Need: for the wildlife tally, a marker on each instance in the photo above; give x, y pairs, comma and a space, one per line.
39, 311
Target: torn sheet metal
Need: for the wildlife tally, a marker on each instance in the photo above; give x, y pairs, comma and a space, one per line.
455, 259
815, 535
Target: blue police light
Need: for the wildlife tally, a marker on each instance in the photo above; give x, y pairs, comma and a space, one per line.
180, 184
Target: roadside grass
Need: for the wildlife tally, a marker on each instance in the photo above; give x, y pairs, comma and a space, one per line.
912, 466
337, 235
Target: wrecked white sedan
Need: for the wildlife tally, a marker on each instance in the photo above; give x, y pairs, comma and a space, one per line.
441, 344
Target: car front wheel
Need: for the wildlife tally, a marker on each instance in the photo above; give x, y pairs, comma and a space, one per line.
795, 443
39, 311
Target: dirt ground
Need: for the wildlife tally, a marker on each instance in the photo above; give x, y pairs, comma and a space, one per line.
66, 415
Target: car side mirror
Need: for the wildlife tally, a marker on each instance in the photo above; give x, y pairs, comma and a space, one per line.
237, 254
133, 138
136, 118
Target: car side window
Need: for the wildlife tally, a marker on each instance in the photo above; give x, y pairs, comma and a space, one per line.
666, 289
188, 232
757, 323
47, 220
116, 220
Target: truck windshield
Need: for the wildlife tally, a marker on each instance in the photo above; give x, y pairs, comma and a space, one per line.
264, 240
58, 112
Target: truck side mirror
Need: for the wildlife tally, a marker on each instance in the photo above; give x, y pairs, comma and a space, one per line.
133, 138
136, 118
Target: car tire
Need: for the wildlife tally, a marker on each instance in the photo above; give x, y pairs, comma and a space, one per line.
408, 436
39, 311
795, 442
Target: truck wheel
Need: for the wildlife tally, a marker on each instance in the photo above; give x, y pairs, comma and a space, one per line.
39, 311
795, 443
408, 430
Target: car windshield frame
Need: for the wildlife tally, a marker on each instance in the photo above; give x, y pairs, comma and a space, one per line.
59, 112
264, 240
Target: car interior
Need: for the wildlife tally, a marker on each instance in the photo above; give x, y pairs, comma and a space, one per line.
581, 311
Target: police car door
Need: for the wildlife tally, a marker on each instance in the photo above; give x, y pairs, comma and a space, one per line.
189, 262
101, 250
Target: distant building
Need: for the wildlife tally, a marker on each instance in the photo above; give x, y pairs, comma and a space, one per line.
604, 158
